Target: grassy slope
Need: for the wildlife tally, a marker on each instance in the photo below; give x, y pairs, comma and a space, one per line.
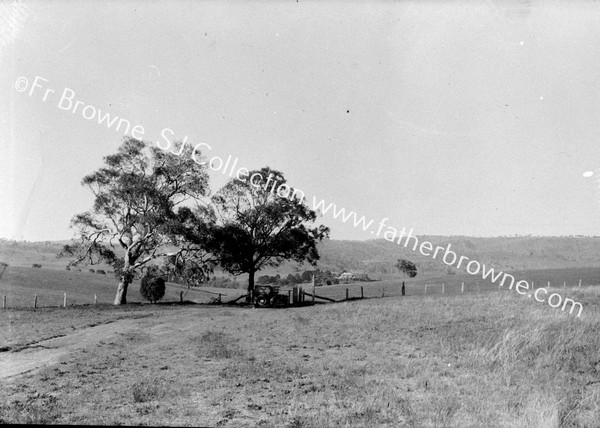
508, 253
20, 284
488, 359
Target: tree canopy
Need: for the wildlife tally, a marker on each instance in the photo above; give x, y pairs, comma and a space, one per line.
137, 213
407, 267
260, 227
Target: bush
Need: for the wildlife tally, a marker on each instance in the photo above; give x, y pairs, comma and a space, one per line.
101, 272
92, 271
36, 265
152, 288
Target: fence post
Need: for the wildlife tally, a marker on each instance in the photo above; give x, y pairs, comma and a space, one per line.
35, 301
95, 299
442, 288
3, 302
580, 283
565, 284
289, 297
314, 292
362, 293
462, 288
533, 285
383, 292
346, 293
181, 297
65, 301
425, 289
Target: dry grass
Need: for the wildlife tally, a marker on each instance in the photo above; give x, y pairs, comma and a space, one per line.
486, 360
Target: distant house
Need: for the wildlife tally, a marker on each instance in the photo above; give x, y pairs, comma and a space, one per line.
346, 276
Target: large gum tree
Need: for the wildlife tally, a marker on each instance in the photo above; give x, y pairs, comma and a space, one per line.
262, 222
137, 211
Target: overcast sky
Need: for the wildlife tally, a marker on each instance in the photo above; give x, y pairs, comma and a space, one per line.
473, 118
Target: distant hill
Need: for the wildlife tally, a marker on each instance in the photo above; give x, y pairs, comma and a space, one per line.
379, 256
509, 253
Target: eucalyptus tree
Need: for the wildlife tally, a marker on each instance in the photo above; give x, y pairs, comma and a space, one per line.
262, 222
142, 197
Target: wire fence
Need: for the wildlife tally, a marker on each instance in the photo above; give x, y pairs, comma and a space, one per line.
22, 297
351, 291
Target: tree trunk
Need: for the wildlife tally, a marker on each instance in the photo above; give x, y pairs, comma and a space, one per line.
250, 285
121, 297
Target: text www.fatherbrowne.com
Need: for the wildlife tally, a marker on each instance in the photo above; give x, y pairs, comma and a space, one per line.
448, 256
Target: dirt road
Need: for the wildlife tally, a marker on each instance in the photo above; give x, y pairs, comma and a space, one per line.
47, 352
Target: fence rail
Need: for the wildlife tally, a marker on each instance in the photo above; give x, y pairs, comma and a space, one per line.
297, 294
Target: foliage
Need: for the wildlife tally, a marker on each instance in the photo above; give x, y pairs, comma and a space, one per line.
223, 282
291, 279
152, 288
36, 265
138, 194
259, 228
407, 267
265, 279
193, 265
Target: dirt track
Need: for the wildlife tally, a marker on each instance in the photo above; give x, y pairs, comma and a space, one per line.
47, 352
35, 356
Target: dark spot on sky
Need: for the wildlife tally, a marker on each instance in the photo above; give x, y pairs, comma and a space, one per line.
347, 111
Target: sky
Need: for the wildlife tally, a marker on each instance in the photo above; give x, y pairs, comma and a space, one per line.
448, 118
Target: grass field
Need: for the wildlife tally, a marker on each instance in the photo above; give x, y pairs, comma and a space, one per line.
476, 360
20, 284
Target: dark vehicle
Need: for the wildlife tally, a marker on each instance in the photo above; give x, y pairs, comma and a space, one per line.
268, 296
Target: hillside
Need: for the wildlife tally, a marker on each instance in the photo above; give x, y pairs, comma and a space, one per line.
509, 253
379, 256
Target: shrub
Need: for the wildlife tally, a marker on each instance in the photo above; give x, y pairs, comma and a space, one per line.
92, 271
263, 279
152, 288
101, 272
36, 265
